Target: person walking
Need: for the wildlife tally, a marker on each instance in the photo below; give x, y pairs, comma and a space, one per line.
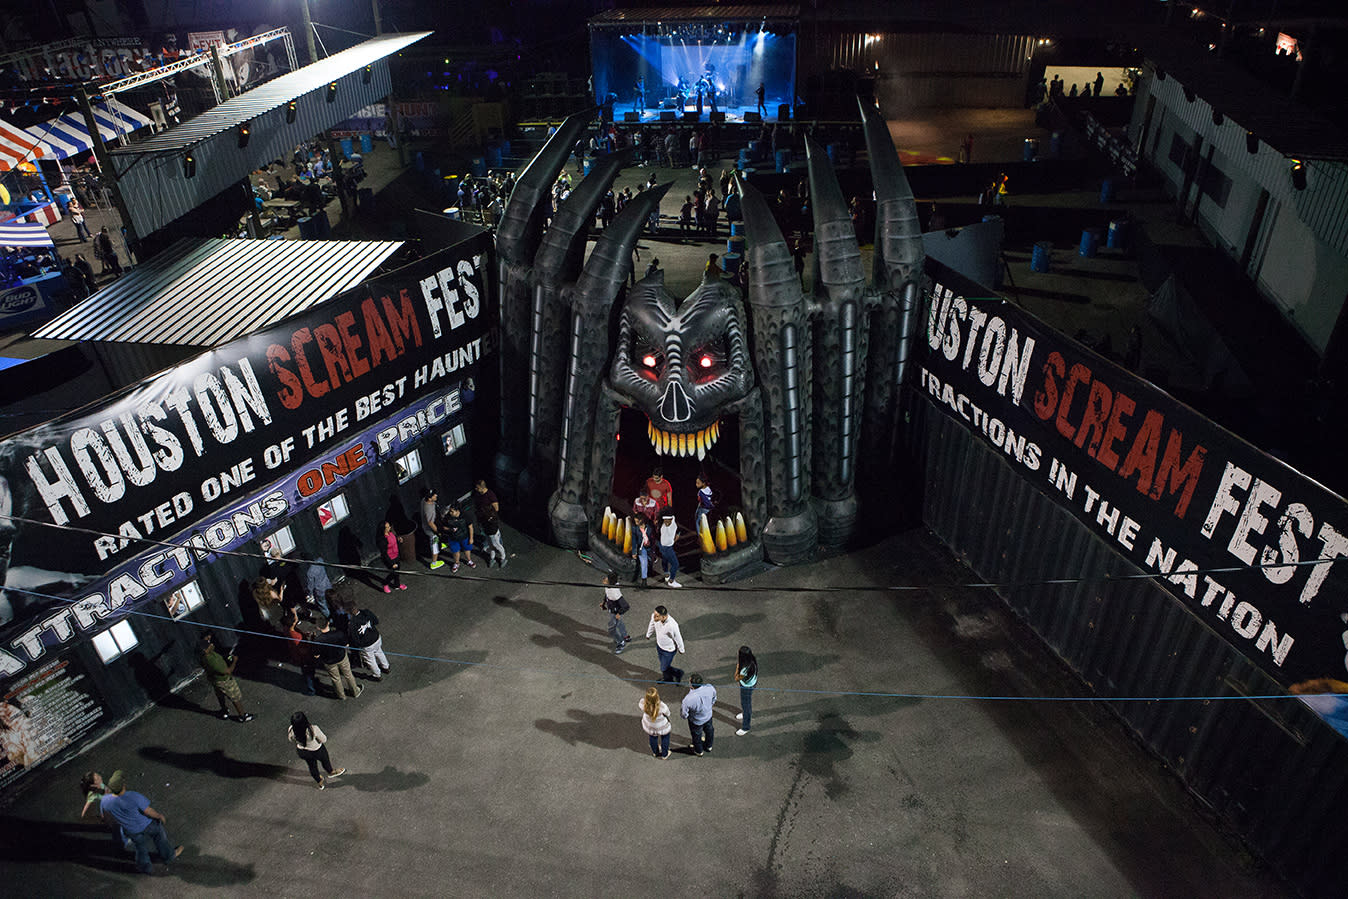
311, 745
142, 824
331, 649
746, 675
429, 526
94, 789
77, 219
669, 529
668, 642
105, 252
616, 607
697, 709
220, 673
643, 546
655, 722
388, 548
704, 502
363, 634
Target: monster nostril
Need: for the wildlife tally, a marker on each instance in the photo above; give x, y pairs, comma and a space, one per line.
675, 404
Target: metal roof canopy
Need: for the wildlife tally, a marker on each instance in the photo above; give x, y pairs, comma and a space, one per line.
272, 95
203, 293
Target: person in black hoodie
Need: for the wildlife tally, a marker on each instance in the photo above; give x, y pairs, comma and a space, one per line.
363, 634
330, 648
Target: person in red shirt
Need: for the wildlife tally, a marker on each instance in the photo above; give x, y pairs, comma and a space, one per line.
659, 489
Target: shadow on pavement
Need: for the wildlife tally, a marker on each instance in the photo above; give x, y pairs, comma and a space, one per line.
608, 730
213, 762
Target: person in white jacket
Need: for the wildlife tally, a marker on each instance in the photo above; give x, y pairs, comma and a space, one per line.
668, 642
655, 722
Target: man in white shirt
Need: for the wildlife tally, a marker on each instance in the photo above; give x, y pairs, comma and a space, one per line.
668, 642
669, 530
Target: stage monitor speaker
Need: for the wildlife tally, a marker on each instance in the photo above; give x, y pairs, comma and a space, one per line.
783, 112
690, 115
669, 103
631, 116
668, 115
753, 118
718, 117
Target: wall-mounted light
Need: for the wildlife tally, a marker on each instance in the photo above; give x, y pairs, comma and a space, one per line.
1189, 94
332, 91
1217, 117
1160, 74
189, 165
1298, 174
291, 110
1251, 142
244, 134
366, 74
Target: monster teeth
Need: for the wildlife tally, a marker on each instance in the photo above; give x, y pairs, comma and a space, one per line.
698, 443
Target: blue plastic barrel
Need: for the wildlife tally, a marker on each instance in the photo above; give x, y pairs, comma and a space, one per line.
348, 150
730, 262
1118, 234
1031, 150
783, 157
755, 149
736, 228
1039, 258
735, 244
588, 164
452, 212
1090, 242
366, 142
505, 148
748, 172
832, 151
307, 228
1107, 191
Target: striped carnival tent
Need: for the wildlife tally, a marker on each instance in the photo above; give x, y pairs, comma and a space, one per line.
24, 234
66, 135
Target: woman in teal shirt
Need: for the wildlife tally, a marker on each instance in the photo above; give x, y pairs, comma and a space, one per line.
746, 675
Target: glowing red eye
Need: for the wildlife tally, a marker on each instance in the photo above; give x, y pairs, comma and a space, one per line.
648, 361
706, 362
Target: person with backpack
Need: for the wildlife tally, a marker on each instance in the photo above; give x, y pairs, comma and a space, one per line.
616, 607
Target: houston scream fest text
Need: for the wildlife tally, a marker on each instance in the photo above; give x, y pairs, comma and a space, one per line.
181, 432
982, 369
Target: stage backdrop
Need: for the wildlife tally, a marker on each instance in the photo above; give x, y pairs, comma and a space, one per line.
735, 58
1245, 542
209, 455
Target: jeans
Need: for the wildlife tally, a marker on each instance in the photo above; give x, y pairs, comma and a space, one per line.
746, 704
617, 630
659, 744
702, 735
313, 758
666, 664
373, 657
494, 546
152, 835
671, 560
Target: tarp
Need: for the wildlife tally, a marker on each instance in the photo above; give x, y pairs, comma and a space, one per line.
66, 135
24, 234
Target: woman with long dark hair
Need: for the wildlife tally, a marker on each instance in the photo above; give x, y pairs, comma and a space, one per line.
310, 745
388, 548
746, 675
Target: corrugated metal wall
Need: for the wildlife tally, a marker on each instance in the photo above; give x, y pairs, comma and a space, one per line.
157, 192
1271, 770
922, 53
1322, 206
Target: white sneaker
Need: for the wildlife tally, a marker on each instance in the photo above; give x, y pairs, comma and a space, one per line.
739, 716
741, 732
674, 583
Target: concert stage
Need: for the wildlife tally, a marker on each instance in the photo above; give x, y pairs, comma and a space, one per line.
694, 69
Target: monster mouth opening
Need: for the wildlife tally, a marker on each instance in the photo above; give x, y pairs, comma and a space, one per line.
642, 447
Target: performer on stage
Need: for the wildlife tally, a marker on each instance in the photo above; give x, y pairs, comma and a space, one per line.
639, 101
762, 107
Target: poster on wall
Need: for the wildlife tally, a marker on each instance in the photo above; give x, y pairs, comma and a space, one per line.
49, 708
1247, 543
110, 508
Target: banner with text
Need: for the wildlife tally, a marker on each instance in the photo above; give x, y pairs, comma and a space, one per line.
1246, 542
202, 455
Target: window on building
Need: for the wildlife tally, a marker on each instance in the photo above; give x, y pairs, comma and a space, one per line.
115, 642
279, 543
454, 438
408, 466
182, 601
1216, 185
1179, 150
333, 511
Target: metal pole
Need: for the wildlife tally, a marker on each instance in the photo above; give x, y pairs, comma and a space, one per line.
218, 72
128, 229
309, 32
378, 26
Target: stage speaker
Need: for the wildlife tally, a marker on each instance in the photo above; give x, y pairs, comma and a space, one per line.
631, 116
718, 117
690, 115
669, 103
753, 118
668, 115
784, 112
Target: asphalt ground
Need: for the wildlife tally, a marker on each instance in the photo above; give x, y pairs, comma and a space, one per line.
915, 742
